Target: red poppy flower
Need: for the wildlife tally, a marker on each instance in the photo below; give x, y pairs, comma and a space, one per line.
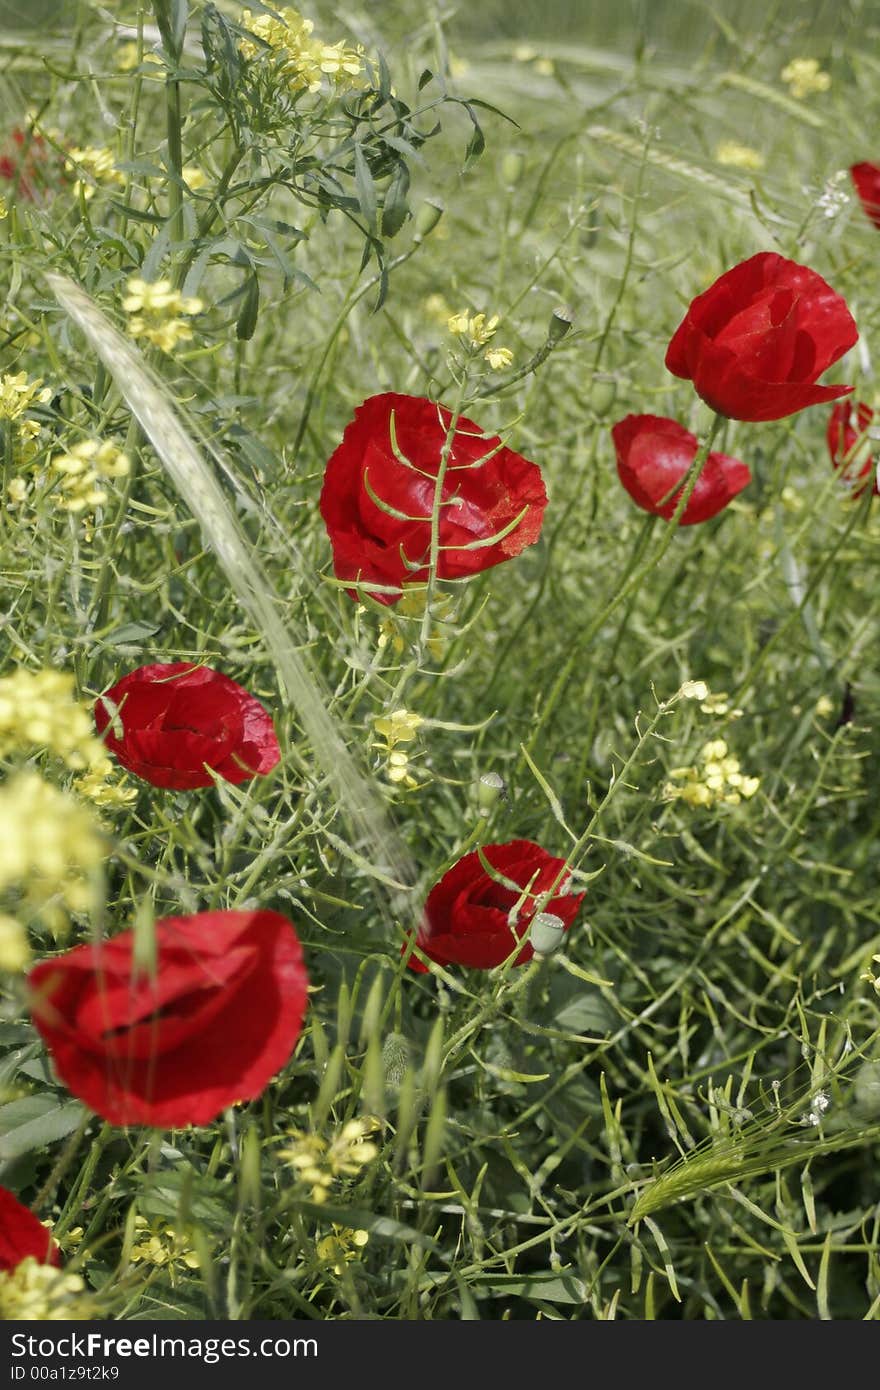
846, 427
177, 720
215, 1020
22, 1235
379, 490
653, 454
30, 165
866, 179
467, 914
756, 342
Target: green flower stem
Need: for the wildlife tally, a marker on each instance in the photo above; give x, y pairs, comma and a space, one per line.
73, 1206
633, 575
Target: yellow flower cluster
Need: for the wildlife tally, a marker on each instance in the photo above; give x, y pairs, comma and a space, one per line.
15, 951
478, 330
717, 778
341, 1247
38, 709
35, 1292
739, 156
94, 165
83, 470
49, 843
803, 77
401, 726
18, 394
412, 606
304, 61
320, 1162
164, 1247
155, 308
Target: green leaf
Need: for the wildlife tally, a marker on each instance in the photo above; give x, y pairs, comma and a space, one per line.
35, 1122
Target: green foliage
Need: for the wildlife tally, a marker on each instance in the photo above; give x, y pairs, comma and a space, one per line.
675, 1115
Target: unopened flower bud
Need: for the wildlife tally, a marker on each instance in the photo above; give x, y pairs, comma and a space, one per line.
489, 788
602, 393
547, 933
512, 166
426, 219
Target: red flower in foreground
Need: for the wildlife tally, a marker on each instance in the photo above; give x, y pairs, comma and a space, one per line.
756, 342
377, 507
178, 719
846, 427
466, 918
210, 1026
866, 179
22, 1235
653, 454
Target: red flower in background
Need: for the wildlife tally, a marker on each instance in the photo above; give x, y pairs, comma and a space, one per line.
177, 719
22, 1235
866, 179
654, 453
377, 508
847, 426
31, 165
466, 917
210, 1026
756, 342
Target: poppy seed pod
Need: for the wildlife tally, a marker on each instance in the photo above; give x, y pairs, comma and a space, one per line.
547, 934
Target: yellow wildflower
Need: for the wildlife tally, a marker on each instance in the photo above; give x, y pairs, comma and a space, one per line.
127, 57
803, 77
341, 1246
35, 1292
164, 1247
194, 177
39, 709
49, 844
155, 307
499, 358
98, 165
739, 156
15, 952
718, 777
304, 62
824, 706
82, 470
17, 395
437, 309
475, 327
321, 1162
97, 787
398, 727
4, 210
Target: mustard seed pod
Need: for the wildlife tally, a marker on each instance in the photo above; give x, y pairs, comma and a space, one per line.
426, 219
547, 934
489, 788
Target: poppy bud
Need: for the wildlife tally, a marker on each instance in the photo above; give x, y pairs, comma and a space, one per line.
603, 393
512, 167
547, 933
426, 219
489, 788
